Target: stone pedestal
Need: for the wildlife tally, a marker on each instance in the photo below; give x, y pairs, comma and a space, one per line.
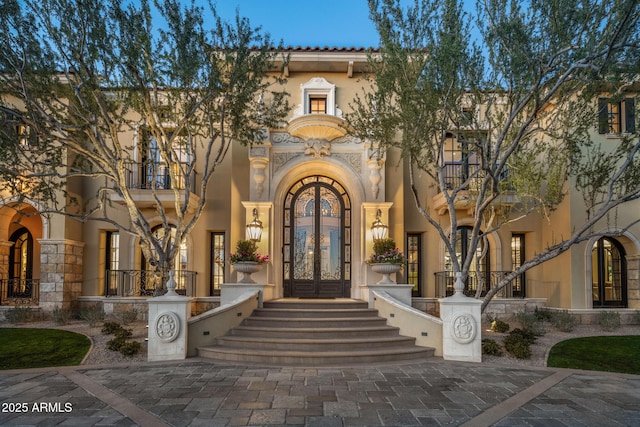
461, 328
168, 333
401, 292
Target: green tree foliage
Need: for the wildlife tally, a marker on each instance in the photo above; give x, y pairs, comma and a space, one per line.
80, 80
513, 90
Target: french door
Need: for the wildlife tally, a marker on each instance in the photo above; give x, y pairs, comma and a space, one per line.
317, 239
609, 273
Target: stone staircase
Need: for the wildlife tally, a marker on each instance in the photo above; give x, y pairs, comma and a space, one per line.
313, 332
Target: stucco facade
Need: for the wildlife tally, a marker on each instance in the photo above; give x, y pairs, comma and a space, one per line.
315, 153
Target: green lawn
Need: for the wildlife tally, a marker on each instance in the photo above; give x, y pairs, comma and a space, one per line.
610, 353
39, 348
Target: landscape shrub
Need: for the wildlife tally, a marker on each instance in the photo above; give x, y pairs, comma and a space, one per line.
609, 320
92, 314
116, 343
130, 348
119, 341
491, 347
563, 321
110, 328
543, 314
518, 343
500, 326
128, 316
530, 322
61, 316
519, 349
19, 315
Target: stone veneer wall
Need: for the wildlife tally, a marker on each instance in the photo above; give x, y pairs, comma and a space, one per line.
60, 273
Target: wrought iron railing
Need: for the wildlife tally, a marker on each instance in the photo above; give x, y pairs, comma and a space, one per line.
19, 291
445, 280
155, 176
455, 174
139, 283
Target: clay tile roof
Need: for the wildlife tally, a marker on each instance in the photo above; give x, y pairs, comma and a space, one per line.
325, 49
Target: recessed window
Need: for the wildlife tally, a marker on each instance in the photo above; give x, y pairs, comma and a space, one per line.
318, 96
414, 246
517, 259
616, 116
217, 262
317, 105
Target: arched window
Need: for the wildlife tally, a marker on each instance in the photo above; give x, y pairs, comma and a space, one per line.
20, 263
608, 273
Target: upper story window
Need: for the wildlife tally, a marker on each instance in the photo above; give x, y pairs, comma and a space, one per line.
616, 116
23, 134
318, 96
317, 105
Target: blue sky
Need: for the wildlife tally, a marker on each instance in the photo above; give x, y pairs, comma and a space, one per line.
341, 23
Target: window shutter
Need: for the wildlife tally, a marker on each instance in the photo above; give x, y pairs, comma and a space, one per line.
603, 122
630, 115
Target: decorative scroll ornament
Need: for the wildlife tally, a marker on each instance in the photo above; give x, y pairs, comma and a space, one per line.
167, 327
317, 148
463, 328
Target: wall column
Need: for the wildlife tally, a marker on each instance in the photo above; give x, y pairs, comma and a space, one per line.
633, 281
5, 248
60, 273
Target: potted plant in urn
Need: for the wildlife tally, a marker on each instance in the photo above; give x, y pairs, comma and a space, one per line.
386, 259
247, 260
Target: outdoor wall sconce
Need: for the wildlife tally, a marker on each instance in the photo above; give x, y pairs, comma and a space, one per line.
378, 228
254, 228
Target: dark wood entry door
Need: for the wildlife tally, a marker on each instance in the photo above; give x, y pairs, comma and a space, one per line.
317, 240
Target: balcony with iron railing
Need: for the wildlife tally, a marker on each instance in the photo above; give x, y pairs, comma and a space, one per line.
19, 291
142, 283
456, 175
445, 280
150, 182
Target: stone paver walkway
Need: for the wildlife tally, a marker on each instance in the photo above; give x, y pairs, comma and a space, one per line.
198, 392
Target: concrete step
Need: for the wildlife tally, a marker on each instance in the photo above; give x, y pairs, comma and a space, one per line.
306, 358
314, 333
311, 304
317, 333
319, 322
298, 313
313, 344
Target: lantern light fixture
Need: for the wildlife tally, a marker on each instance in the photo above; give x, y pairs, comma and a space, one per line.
378, 228
254, 228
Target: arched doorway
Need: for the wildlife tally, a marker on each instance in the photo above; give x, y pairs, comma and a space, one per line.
20, 264
608, 273
317, 239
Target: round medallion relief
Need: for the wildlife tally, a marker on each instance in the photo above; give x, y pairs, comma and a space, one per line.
463, 328
167, 326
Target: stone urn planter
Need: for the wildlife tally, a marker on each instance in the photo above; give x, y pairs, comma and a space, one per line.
247, 268
386, 269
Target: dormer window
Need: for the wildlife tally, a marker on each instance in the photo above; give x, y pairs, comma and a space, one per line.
318, 105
